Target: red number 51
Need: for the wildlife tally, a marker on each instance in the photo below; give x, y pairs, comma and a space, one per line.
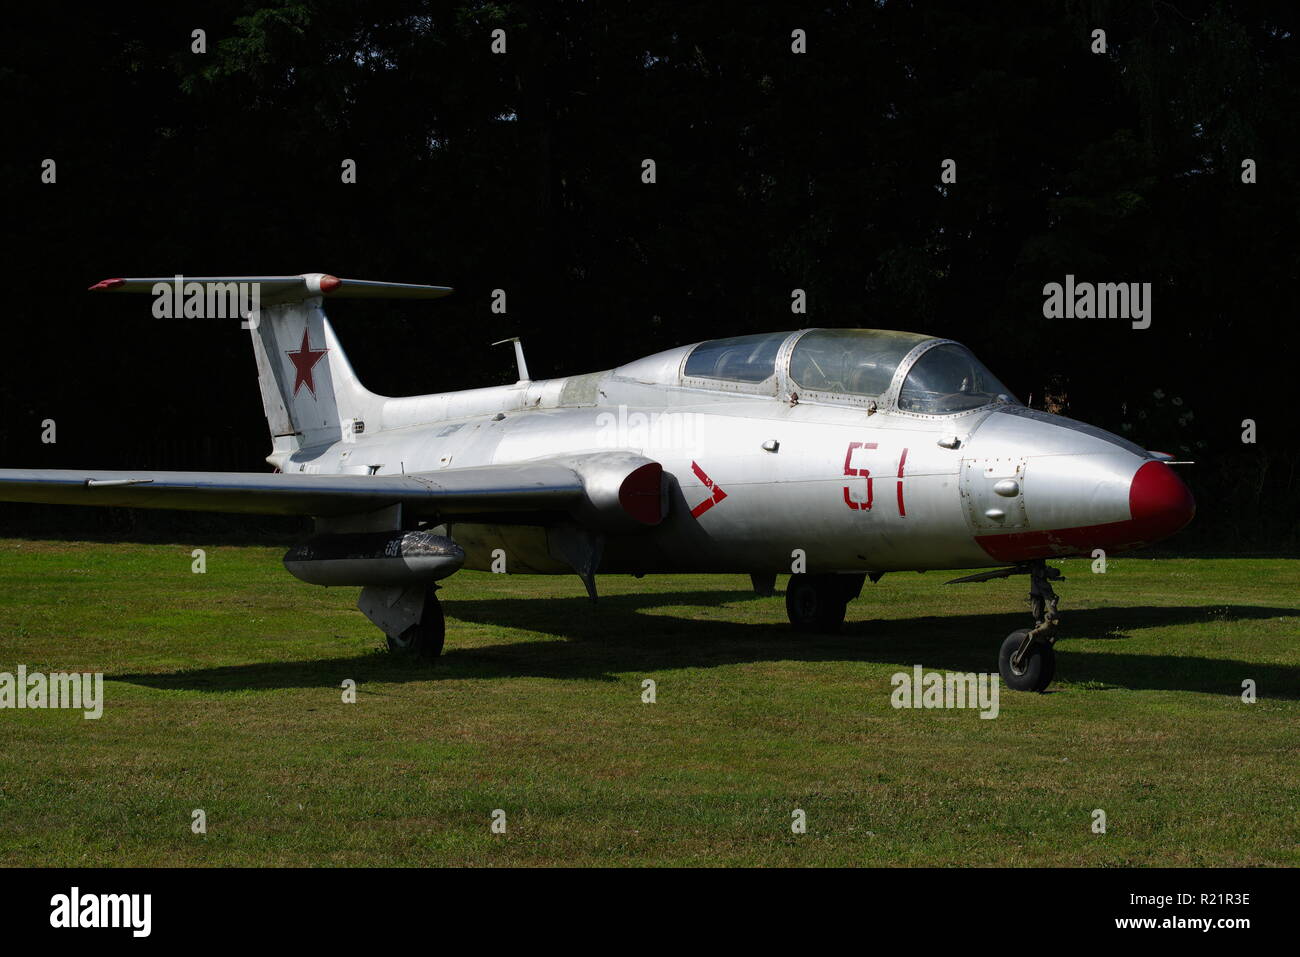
856, 504
849, 500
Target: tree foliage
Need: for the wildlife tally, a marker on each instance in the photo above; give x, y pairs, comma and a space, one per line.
776, 171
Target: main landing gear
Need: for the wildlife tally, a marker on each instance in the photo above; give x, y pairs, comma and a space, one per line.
424, 639
410, 617
817, 603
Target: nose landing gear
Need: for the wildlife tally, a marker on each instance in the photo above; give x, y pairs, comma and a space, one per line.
1026, 664
1027, 658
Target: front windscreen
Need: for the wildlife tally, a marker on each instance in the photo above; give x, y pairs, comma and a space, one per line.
738, 359
849, 361
947, 379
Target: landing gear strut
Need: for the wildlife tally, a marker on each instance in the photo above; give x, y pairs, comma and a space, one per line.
424, 638
410, 617
817, 603
1027, 659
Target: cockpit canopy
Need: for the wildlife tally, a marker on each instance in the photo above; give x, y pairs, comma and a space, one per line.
948, 379
738, 359
916, 373
849, 361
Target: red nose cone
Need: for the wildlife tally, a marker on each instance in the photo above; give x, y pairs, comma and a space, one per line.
1159, 502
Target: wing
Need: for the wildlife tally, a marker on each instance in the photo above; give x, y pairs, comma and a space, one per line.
454, 492
606, 488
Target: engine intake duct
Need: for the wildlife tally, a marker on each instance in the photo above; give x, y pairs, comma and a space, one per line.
624, 491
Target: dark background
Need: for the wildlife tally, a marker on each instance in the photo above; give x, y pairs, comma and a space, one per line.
775, 171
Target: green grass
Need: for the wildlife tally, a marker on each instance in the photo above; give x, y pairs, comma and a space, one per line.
223, 693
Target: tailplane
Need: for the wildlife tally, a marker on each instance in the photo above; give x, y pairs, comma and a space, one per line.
309, 391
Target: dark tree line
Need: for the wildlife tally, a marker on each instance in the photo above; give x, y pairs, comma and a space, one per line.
775, 171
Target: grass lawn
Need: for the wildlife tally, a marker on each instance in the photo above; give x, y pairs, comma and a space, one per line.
223, 692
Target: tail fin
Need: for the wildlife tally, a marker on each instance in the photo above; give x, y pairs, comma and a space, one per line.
309, 391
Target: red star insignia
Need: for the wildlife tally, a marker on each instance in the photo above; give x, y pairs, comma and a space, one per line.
304, 360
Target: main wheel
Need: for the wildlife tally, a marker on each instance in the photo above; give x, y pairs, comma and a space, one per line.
1036, 669
815, 603
423, 640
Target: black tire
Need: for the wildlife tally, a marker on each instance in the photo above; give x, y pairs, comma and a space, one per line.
815, 604
1049, 666
1037, 669
425, 640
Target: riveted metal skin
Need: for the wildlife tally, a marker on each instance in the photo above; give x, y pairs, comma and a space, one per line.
1064, 477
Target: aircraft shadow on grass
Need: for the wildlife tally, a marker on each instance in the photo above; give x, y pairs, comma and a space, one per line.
640, 633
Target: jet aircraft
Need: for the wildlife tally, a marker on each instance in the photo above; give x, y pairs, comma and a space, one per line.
831, 455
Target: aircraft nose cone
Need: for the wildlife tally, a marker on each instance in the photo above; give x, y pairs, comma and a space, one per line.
1158, 501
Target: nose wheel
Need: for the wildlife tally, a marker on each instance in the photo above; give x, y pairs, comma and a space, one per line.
1027, 659
1025, 664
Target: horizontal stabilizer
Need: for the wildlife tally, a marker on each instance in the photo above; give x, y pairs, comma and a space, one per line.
280, 289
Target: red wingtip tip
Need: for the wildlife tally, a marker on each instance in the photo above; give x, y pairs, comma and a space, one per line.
330, 283
107, 284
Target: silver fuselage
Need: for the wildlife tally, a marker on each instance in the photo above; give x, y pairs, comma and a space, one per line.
759, 481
